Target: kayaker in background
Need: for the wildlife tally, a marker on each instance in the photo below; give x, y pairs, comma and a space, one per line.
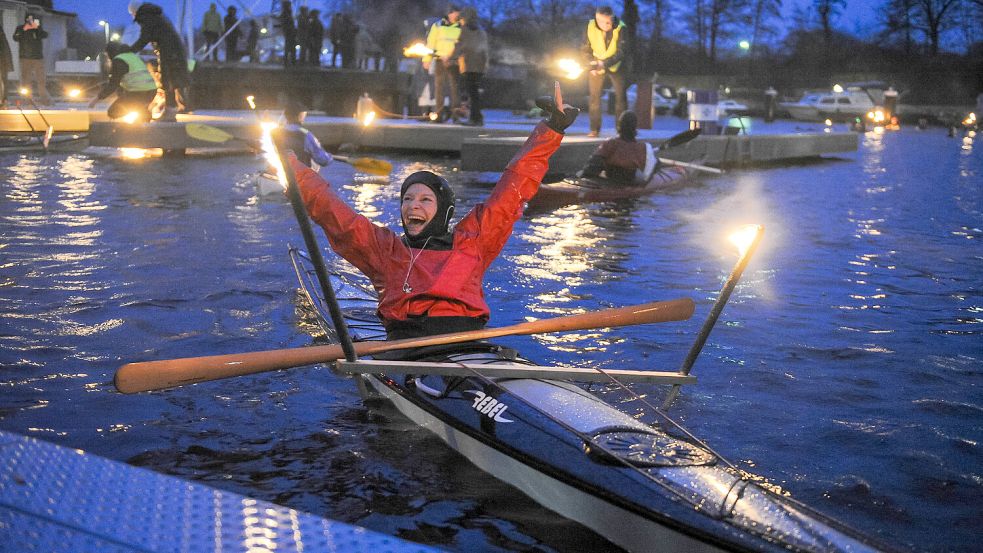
429, 279
623, 160
130, 81
605, 50
293, 136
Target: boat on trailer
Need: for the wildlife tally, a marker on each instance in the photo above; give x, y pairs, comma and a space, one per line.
642, 487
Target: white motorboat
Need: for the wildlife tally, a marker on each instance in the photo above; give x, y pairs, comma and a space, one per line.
840, 103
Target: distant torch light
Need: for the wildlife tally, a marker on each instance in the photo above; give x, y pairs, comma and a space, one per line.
74, 92
837, 89
24, 91
368, 119
130, 118
571, 69
251, 100
434, 116
133, 153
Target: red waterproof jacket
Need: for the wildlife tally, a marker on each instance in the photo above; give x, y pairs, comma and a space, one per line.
445, 283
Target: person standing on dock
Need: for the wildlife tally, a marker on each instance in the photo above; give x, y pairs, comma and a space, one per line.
303, 35
211, 27
605, 49
442, 39
289, 31
31, 56
129, 79
232, 34
6, 66
429, 279
471, 55
172, 59
335, 36
252, 41
315, 33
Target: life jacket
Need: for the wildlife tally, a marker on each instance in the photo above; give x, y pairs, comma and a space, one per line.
137, 78
443, 37
596, 38
293, 139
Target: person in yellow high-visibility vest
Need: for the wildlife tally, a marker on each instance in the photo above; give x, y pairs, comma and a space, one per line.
130, 80
442, 39
605, 50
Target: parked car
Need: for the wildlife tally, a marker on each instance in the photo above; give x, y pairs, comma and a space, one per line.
663, 98
731, 107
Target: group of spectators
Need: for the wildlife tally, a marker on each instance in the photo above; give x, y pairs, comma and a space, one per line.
214, 26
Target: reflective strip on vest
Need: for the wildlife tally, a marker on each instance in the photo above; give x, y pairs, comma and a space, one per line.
596, 38
137, 78
443, 38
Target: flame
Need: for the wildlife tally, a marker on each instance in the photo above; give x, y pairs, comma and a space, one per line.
24, 91
744, 236
877, 116
829, 122
269, 152
130, 118
133, 153
417, 50
570, 68
74, 93
970, 120
251, 100
368, 119
434, 115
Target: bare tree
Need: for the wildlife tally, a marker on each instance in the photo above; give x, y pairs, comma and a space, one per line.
763, 15
934, 18
897, 19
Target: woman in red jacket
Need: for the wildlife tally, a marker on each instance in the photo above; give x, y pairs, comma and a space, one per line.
430, 279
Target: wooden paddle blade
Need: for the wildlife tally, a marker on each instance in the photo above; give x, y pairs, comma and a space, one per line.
207, 133
168, 373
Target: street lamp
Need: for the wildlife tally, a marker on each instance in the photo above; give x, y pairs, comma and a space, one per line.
745, 45
105, 25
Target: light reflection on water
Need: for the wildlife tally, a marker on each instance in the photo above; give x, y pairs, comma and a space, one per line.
845, 367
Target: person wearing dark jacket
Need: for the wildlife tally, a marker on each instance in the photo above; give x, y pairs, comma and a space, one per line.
172, 58
303, 35
6, 66
289, 31
31, 57
233, 32
130, 80
315, 33
252, 41
605, 49
292, 135
623, 161
430, 279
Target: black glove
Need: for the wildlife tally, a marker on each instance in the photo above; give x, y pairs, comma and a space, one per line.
558, 120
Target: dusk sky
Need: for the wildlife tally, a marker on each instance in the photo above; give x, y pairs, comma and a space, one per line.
857, 17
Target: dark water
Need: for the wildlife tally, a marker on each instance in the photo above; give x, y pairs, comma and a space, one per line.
848, 367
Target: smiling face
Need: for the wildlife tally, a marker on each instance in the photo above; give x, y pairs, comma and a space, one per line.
418, 207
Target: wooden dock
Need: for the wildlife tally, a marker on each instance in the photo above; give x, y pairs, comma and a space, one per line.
486, 148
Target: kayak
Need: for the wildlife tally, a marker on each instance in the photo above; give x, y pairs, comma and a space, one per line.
644, 488
23, 142
586, 190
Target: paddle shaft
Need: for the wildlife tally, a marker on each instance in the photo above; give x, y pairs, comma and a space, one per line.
691, 166
314, 250
157, 375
